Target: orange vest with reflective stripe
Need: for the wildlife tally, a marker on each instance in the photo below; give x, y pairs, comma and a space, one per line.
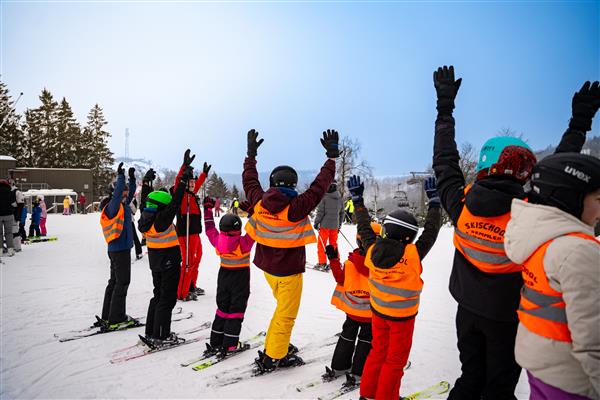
481, 241
112, 227
161, 240
542, 309
395, 291
276, 230
353, 296
235, 259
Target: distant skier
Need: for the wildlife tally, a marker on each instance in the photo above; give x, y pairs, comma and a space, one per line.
115, 220
133, 206
330, 214
218, 207
395, 285
552, 236
351, 296
280, 226
192, 255
484, 281
164, 256
67, 205
233, 282
235, 205
36, 216
349, 211
8, 203
43, 217
82, 200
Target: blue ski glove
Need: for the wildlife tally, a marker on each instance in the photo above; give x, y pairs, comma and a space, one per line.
356, 188
430, 185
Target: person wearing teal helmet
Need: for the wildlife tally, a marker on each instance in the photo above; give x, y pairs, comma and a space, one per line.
485, 283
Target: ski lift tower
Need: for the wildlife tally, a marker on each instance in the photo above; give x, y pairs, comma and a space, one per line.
127, 143
417, 179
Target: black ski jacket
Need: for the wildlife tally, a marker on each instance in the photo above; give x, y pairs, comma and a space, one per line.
493, 296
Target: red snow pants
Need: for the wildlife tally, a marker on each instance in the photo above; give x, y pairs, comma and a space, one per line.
188, 278
326, 236
384, 368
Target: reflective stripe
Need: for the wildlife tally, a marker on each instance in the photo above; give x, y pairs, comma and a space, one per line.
113, 231
393, 290
236, 261
115, 222
538, 298
361, 300
277, 229
343, 298
283, 236
554, 314
488, 243
395, 304
489, 258
158, 238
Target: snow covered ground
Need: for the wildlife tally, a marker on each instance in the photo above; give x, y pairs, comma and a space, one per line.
58, 286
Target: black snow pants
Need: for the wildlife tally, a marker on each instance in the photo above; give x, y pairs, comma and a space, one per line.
349, 356
115, 295
34, 228
487, 348
136, 240
233, 290
165, 278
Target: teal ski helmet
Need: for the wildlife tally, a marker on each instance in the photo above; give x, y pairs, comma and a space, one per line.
506, 155
157, 199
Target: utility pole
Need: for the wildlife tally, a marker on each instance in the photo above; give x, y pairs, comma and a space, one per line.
127, 143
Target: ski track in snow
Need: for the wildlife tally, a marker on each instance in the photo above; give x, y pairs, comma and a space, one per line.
58, 286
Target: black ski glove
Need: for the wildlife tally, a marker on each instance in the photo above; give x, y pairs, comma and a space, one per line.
209, 203
206, 168
446, 87
585, 105
187, 160
356, 188
430, 186
253, 144
330, 142
188, 174
120, 170
150, 175
131, 173
331, 252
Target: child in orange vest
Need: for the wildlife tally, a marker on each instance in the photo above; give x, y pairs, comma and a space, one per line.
233, 282
395, 284
351, 296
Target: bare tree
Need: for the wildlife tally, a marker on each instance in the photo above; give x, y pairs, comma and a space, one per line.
348, 163
468, 161
508, 131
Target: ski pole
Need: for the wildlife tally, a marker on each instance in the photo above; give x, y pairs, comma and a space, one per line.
344, 236
187, 233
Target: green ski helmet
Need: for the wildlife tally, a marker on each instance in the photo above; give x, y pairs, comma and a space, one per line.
506, 155
157, 199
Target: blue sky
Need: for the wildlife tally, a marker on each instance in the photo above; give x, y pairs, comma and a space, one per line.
199, 75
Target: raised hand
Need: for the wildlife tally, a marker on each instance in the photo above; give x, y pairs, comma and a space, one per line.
188, 174
131, 173
330, 142
187, 160
446, 88
585, 104
430, 186
206, 168
150, 175
356, 188
120, 170
253, 144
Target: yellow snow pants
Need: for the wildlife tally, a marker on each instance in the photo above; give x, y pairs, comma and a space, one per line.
287, 291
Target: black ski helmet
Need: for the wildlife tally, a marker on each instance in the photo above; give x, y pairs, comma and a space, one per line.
332, 187
229, 223
562, 180
400, 225
283, 176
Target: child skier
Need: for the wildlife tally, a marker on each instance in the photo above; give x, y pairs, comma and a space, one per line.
351, 296
281, 228
115, 220
44, 216
192, 254
164, 256
330, 214
395, 284
36, 215
552, 235
233, 282
485, 283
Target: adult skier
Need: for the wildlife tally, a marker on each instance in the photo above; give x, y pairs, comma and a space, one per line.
552, 235
280, 226
484, 281
330, 214
115, 220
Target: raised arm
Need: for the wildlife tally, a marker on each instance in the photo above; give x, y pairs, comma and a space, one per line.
209, 222
450, 178
363, 219
113, 205
131, 185
584, 106
202, 177
433, 220
164, 218
250, 182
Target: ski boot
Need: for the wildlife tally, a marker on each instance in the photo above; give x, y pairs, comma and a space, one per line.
331, 374
191, 297
210, 350
264, 364
139, 256
320, 267
128, 323
99, 322
290, 360
199, 291
158, 344
292, 349
224, 352
352, 380
10, 252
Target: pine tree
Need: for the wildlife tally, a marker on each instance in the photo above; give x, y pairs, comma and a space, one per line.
42, 142
235, 193
95, 154
11, 136
216, 187
69, 132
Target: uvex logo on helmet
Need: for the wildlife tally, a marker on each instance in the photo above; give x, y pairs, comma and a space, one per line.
577, 174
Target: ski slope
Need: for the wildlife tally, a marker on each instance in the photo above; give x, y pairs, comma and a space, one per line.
58, 286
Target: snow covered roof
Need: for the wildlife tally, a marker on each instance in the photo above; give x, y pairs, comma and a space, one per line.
50, 192
7, 158
62, 169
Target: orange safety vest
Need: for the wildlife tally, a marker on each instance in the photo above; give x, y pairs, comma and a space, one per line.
161, 240
481, 241
276, 230
542, 309
235, 259
353, 296
112, 227
395, 291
